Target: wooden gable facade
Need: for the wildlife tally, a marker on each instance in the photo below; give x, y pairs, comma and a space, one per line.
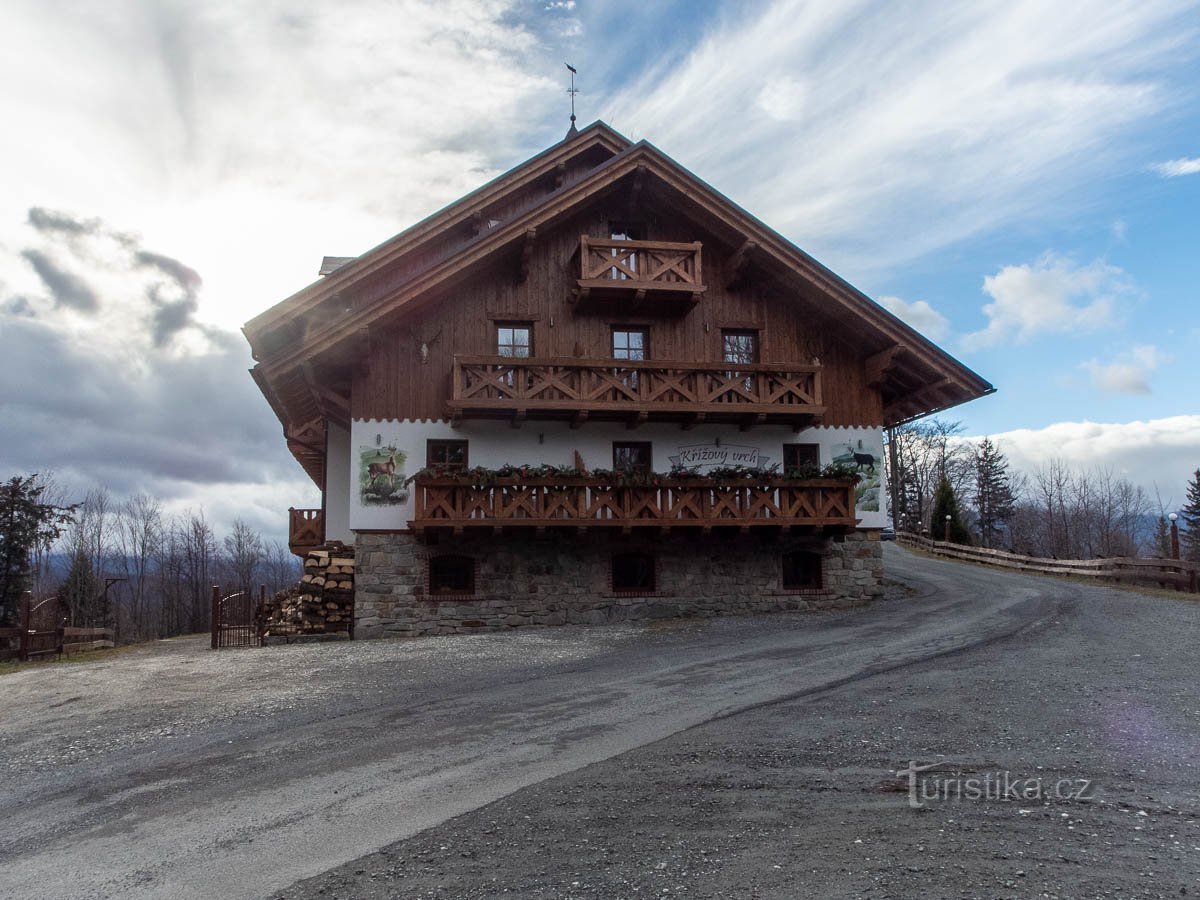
593, 240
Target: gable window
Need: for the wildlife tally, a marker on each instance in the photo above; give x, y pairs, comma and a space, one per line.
801, 570
632, 456
446, 454
801, 456
633, 573
451, 575
514, 339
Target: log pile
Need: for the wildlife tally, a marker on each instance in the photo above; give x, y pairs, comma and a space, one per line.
323, 600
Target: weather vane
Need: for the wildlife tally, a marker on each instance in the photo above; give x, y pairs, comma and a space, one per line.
572, 90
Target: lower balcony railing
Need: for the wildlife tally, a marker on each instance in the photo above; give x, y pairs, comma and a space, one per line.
627, 389
668, 502
306, 529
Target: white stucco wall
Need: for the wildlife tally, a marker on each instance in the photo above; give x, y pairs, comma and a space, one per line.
493, 444
337, 477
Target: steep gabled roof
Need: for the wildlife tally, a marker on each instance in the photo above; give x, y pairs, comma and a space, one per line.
916, 376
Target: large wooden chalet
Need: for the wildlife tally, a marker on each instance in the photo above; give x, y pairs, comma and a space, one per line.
593, 389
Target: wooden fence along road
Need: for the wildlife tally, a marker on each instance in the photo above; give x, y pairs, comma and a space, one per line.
1163, 572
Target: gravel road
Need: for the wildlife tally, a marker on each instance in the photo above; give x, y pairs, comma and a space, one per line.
749, 757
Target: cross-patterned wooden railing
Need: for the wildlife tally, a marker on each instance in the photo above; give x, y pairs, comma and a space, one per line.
671, 502
306, 529
619, 388
639, 265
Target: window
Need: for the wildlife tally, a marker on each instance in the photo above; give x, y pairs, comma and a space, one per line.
514, 339
630, 343
446, 454
739, 346
632, 456
451, 575
801, 456
633, 573
801, 570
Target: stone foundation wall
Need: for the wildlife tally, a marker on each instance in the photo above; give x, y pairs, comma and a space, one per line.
558, 580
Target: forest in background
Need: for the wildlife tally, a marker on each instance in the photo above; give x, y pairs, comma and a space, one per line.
1055, 511
125, 564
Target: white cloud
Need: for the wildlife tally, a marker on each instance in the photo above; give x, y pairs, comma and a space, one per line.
1050, 296
920, 315
1129, 374
917, 124
1159, 454
1175, 167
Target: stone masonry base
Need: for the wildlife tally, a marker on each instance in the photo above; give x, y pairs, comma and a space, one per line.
559, 580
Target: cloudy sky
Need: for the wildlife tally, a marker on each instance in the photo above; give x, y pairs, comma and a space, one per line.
1019, 180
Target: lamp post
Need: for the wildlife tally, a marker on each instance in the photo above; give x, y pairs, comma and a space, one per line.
1174, 517
947, 530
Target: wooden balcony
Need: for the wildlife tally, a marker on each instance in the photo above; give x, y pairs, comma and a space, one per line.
819, 503
634, 392
306, 530
635, 270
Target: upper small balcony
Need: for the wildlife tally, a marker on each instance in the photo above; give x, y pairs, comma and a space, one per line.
306, 530
631, 271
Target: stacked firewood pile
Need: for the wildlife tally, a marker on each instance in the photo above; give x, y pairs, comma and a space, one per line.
323, 601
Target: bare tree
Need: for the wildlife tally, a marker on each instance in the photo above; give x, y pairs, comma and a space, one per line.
139, 528
244, 555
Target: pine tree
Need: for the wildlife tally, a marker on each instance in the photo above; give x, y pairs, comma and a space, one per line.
946, 504
26, 523
1189, 521
993, 491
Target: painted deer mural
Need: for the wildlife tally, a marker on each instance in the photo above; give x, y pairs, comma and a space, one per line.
383, 470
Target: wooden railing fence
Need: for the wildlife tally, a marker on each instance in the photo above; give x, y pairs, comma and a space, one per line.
650, 265
1164, 572
41, 631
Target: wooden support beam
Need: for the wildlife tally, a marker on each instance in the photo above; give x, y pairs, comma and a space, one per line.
579, 418
693, 421
637, 419
638, 296
560, 173
737, 263
639, 183
752, 421
880, 364
518, 418
476, 222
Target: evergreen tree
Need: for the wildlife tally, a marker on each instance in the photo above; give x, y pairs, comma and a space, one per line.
1162, 538
79, 592
946, 504
26, 523
1189, 521
994, 499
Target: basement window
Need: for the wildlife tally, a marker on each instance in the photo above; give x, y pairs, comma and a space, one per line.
801, 570
451, 575
633, 573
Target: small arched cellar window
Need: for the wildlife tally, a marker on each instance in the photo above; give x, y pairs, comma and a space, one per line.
633, 573
802, 570
451, 575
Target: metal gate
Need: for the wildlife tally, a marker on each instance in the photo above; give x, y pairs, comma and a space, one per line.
237, 618
41, 627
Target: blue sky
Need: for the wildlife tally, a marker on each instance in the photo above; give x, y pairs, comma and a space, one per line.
1018, 179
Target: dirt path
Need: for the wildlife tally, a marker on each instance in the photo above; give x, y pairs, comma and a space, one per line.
186, 773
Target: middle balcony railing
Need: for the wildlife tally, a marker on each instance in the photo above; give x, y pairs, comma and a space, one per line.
447, 501
579, 389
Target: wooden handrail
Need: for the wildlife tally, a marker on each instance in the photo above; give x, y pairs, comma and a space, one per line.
640, 265
672, 364
670, 502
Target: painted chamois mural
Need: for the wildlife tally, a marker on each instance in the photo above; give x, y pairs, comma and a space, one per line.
868, 459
